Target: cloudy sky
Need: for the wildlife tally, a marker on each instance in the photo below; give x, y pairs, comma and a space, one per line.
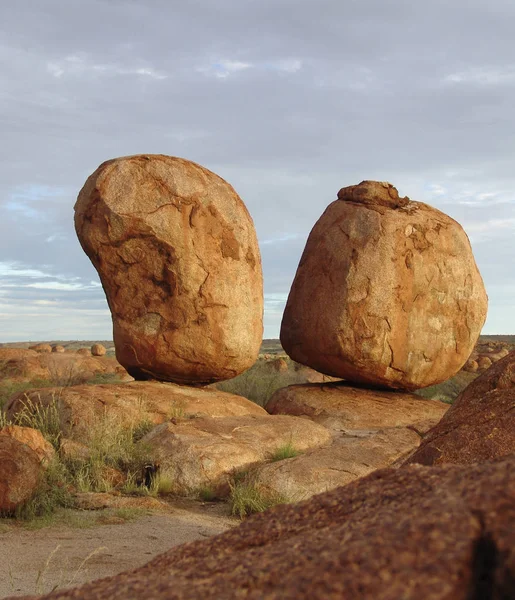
289, 100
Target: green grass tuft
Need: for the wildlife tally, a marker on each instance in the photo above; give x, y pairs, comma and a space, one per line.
285, 451
247, 497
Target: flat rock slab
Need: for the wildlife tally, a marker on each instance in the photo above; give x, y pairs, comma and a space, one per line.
345, 408
205, 452
324, 469
80, 407
419, 532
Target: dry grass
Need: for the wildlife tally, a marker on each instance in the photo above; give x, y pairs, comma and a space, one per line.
260, 382
248, 497
449, 390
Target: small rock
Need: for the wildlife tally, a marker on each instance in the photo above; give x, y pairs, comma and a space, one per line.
98, 350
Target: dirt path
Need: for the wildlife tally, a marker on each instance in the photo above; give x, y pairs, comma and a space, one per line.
62, 556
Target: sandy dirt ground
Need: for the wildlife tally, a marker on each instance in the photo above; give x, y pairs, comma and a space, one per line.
36, 562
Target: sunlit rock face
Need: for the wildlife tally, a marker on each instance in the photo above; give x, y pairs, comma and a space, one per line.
177, 254
387, 292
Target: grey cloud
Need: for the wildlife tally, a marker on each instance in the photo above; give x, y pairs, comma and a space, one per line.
418, 94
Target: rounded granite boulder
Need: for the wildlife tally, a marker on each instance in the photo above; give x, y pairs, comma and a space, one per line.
177, 255
387, 292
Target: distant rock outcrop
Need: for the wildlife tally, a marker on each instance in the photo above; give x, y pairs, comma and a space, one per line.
41, 348
387, 292
177, 254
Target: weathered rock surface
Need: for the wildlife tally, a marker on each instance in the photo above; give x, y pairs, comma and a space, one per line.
205, 452
348, 458
178, 258
387, 292
83, 407
84, 351
58, 348
480, 425
33, 439
20, 469
98, 350
345, 408
435, 533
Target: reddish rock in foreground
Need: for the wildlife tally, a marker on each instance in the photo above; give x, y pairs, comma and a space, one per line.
177, 254
480, 425
436, 533
386, 293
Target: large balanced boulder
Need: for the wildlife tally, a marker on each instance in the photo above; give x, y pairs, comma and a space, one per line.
346, 408
436, 533
20, 471
480, 425
387, 292
177, 254
83, 409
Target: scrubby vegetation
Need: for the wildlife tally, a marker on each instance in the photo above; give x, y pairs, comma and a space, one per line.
248, 496
261, 381
286, 451
449, 390
115, 457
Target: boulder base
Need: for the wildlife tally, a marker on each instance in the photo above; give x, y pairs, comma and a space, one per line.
346, 408
348, 458
20, 470
33, 439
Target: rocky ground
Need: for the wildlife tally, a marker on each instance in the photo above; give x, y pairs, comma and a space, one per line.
82, 546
